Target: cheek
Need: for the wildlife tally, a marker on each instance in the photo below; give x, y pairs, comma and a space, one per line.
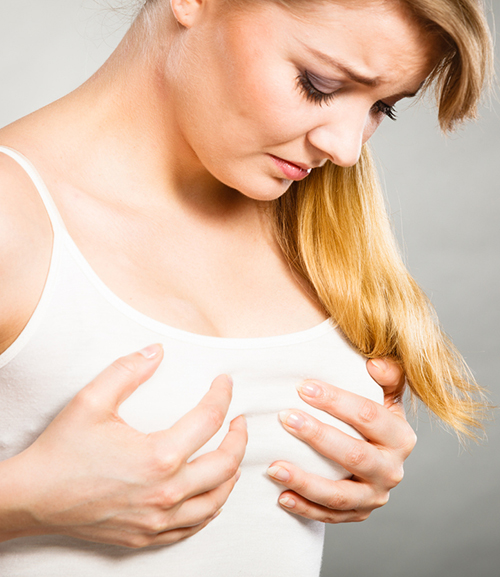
260, 90
261, 97
271, 104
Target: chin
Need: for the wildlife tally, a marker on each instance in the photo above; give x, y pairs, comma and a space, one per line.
266, 189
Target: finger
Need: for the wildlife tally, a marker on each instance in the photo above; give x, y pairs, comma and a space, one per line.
201, 507
344, 495
174, 535
195, 428
375, 422
358, 457
118, 381
387, 373
299, 506
390, 376
212, 469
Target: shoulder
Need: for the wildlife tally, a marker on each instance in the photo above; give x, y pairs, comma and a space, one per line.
25, 248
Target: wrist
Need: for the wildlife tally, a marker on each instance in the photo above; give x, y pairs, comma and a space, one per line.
16, 520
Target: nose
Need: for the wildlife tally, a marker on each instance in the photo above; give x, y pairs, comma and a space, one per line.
340, 136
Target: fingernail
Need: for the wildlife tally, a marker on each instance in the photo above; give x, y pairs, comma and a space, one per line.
151, 352
279, 473
380, 364
309, 389
287, 502
230, 379
292, 420
238, 475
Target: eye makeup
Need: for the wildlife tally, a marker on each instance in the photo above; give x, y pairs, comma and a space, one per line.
308, 85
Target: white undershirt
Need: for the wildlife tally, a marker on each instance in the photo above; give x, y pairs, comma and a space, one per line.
79, 328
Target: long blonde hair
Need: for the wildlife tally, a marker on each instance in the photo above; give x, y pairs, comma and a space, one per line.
334, 229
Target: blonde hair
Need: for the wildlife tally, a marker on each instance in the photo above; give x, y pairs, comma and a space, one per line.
334, 229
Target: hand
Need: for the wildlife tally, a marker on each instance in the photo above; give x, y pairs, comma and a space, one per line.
376, 464
91, 476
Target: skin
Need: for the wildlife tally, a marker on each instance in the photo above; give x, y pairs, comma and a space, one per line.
172, 139
250, 87
150, 494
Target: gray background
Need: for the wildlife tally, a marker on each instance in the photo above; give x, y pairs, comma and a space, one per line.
444, 197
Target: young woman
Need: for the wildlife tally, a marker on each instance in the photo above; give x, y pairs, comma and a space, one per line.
209, 190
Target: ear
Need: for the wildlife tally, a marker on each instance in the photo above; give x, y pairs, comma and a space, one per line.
186, 11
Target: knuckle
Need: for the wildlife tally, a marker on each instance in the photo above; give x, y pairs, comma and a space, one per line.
409, 441
166, 463
338, 501
231, 465
329, 396
368, 412
214, 416
154, 524
215, 506
361, 516
138, 541
396, 476
86, 401
382, 499
170, 497
315, 432
331, 519
355, 456
126, 365
301, 485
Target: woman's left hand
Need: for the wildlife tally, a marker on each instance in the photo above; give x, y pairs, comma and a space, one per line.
376, 464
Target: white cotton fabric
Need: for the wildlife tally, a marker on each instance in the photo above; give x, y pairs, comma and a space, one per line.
79, 328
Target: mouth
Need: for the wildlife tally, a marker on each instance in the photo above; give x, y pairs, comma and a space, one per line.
291, 170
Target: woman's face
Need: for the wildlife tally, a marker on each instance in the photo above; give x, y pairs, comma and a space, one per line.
264, 94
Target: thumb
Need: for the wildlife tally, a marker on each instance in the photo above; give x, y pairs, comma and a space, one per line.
388, 374
118, 381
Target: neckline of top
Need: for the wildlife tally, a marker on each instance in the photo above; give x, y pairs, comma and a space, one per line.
60, 230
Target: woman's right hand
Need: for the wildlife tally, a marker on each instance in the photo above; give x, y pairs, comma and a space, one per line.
91, 476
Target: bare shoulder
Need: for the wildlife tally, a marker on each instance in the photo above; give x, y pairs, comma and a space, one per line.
25, 249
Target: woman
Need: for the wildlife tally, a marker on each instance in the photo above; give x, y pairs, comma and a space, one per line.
163, 167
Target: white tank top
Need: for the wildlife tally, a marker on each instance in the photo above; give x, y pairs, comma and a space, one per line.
78, 328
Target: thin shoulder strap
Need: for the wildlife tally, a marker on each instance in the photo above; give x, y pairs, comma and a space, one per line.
50, 207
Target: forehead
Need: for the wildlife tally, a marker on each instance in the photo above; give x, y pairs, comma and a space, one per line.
379, 39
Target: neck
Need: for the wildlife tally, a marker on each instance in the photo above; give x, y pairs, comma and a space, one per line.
118, 133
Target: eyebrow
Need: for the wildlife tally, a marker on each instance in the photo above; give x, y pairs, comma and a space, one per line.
352, 74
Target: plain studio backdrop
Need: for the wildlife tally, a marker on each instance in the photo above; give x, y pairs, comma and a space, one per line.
444, 200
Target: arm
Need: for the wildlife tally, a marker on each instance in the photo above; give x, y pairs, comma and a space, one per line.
91, 476
376, 464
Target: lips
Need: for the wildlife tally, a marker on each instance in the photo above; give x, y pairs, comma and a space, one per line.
291, 170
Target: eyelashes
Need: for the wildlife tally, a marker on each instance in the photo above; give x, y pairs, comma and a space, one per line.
384, 108
314, 95
311, 93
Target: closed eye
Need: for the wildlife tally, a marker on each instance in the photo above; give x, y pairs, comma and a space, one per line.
315, 95
311, 92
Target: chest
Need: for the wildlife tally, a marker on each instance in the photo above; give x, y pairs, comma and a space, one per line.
80, 329
223, 276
